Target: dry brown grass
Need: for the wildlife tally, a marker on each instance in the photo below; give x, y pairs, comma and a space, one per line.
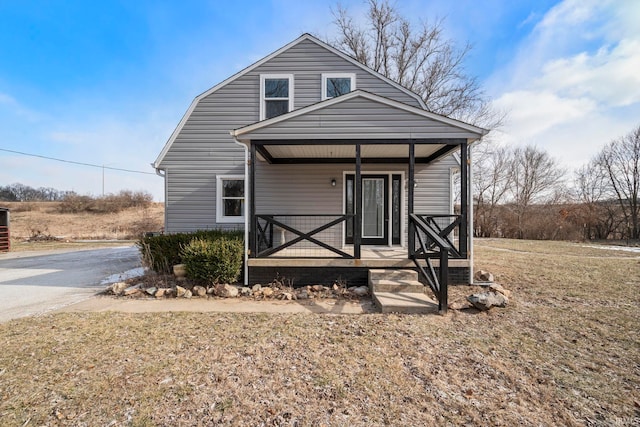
30, 219
564, 352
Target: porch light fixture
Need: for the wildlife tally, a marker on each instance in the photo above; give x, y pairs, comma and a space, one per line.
333, 182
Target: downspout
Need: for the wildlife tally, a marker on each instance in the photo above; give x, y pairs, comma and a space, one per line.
471, 226
246, 204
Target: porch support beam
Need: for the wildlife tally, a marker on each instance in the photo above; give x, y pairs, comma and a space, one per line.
347, 160
264, 153
464, 199
411, 241
252, 204
445, 141
438, 154
357, 220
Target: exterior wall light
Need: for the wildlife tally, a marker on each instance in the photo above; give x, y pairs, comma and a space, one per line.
333, 182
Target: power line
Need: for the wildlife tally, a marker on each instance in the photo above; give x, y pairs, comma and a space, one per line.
76, 163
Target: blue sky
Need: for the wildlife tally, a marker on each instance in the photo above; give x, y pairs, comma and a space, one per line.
107, 82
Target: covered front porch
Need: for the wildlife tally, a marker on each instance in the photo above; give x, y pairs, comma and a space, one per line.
329, 199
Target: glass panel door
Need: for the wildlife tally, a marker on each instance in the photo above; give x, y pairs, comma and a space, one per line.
373, 215
375, 209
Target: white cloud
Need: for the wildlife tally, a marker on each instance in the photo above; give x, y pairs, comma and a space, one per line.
609, 76
533, 112
573, 85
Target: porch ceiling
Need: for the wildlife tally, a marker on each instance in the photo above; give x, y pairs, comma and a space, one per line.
341, 151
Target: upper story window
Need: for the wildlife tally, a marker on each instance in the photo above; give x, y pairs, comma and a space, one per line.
276, 95
334, 84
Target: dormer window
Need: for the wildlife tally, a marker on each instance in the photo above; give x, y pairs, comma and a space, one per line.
276, 95
334, 84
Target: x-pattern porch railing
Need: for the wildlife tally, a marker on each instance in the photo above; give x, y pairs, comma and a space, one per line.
432, 235
315, 223
445, 227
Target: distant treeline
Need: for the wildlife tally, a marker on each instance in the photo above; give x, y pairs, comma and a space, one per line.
23, 193
71, 202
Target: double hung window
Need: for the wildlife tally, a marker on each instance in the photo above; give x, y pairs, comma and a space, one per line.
230, 198
276, 95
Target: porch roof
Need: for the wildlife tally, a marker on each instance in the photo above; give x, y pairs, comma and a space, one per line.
328, 131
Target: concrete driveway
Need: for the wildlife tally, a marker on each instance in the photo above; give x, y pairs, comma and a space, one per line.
37, 282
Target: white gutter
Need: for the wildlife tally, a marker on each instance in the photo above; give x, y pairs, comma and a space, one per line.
246, 205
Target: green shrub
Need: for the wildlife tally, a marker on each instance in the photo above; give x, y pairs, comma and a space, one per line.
162, 252
213, 261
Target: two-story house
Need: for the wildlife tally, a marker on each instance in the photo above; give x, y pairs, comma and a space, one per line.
331, 168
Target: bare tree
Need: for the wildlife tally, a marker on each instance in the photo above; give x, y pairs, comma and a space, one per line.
620, 161
596, 214
419, 58
491, 184
535, 177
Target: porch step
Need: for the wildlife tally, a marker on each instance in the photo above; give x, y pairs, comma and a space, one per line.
399, 291
400, 302
406, 286
389, 274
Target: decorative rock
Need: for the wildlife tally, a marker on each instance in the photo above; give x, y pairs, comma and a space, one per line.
151, 291
256, 288
179, 270
458, 305
199, 291
267, 291
485, 300
245, 291
188, 294
484, 276
226, 291
287, 296
118, 287
211, 290
317, 288
302, 294
161, 292
359, 291
497, 288
131, 290
180, 291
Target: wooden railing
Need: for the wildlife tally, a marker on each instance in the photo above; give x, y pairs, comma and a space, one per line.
5, 242
430, 239
299, 234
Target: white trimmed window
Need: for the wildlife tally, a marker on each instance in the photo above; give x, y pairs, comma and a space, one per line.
336, 84
230, 198
276, 95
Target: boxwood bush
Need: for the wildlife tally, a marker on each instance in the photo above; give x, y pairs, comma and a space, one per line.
213, 261
161, 252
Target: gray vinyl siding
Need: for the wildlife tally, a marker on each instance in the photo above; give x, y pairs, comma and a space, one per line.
307, 61
433, 192
191, 201
204, 149
359, 118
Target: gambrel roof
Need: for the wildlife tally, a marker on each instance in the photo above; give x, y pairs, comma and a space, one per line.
304, 37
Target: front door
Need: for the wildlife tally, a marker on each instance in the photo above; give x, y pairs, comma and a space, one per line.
375, 208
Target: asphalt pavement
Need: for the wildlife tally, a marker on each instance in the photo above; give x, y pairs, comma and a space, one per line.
33, 283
